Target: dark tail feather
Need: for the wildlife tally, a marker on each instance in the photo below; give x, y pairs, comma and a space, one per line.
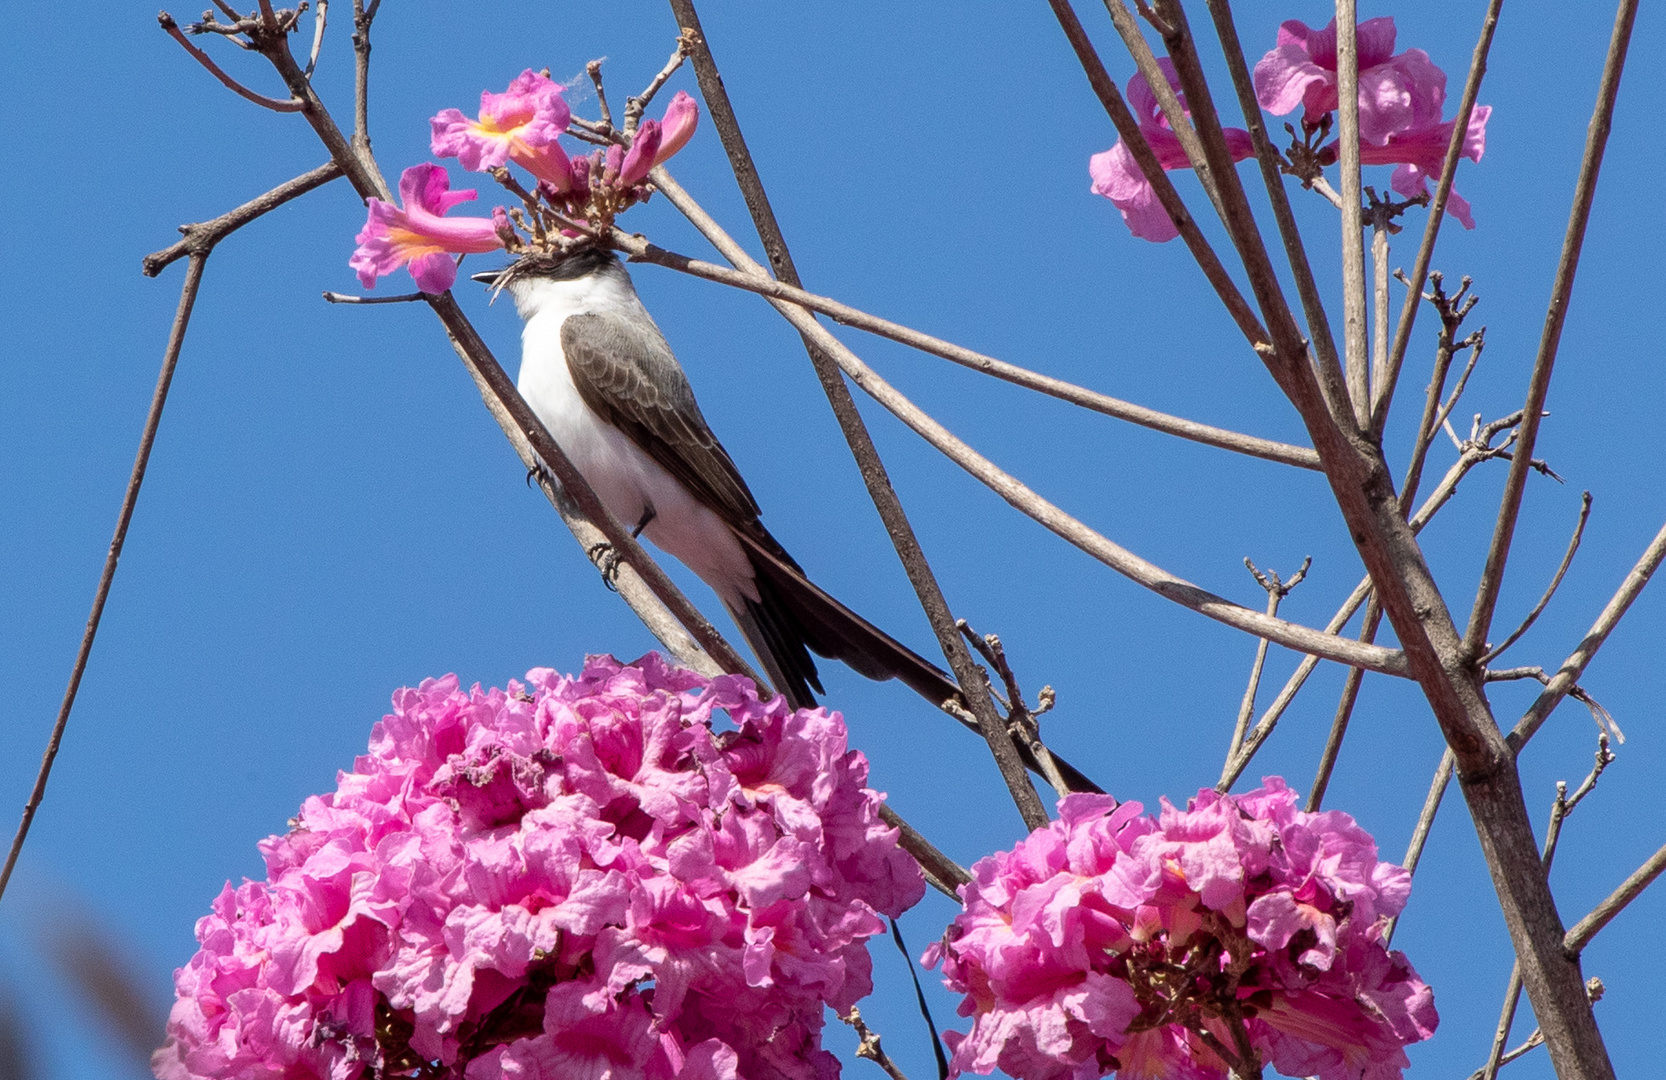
795, 615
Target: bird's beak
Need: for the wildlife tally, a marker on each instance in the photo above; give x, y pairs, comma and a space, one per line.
487, 277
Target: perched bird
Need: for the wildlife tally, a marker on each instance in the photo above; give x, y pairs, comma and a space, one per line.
599, 374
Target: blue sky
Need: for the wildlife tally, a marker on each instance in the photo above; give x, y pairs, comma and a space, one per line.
331, 514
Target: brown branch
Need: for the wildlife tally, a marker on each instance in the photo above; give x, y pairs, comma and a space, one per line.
170, 359
1326, 367
850, 421
640, 250
1492, 575
1550, 590
942, 873
202, 236
1276, 592
1344, 712
1021, 497
1437, 213
172, 28
1356, 362
637, 105
1567, 676
320, 19
363, 18
1022, 721
1128, 129
401, 298
867, 1045
1601, 915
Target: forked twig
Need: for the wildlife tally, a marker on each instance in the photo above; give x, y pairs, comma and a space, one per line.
276, 105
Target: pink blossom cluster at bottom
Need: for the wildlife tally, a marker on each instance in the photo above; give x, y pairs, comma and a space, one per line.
1111, 941
576, 878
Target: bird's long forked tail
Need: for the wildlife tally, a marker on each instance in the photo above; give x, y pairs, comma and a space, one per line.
793, 615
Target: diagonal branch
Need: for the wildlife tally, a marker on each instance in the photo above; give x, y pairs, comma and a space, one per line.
1630, 889
202, 236
141, 461
1585, 190
1383, 396
167, 23
1290, 635
855, 431
641, 250
1550, 590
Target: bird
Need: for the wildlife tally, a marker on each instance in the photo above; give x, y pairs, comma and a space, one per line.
598, 372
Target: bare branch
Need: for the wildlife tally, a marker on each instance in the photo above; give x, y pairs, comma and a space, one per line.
1566, 677
636, 106
202, 236
1437, 213
1550, 590
1492, 575
867, 1045
594, 70
172, 28
879, 487
320, 18
1344, 712
141, 461
349, 298
1276, 592
1104, 87
1355, 360
1601, 915
640, 250
942, 873
1290, 635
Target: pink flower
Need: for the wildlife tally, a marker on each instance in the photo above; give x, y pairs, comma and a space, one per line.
1396, 93
682, 116
419, 235
1420, 153
1068, 945
1400, 101
576, 877
1118, 177
520, 125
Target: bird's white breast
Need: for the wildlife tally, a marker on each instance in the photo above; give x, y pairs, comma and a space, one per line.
625, 478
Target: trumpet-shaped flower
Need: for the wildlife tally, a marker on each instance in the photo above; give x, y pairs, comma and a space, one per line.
682, 116
1117, 176
574, 877
1112, 941
1400, 101
1396, 92
418, 234
520, 125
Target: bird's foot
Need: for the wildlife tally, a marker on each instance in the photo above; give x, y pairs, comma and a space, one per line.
542, 474
607, 560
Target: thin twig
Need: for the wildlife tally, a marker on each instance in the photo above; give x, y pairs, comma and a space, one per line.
1601, 915
1276, 592
320, 18
1437, 213
594, 70
1550, 590
167, 23
1382, 211
637, 105
867, 1045
1492, 575
640, 250
202, 236
363, 17
170, 359
1567, 676
1021, 719
1344, 712
349, 298
850, 421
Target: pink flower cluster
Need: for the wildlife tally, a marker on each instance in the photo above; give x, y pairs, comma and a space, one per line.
575, 878
523, 126
1400, 101
1173, 947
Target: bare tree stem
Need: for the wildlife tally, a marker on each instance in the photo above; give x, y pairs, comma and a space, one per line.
1588, 927
202, 236
141, 461
1356, 362
1344, 712
640, 250
873, 472
1492, 575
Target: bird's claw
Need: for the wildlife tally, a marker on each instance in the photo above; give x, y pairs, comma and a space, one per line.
607, 560
542, 473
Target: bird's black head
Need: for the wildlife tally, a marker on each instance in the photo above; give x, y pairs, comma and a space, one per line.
564, 266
